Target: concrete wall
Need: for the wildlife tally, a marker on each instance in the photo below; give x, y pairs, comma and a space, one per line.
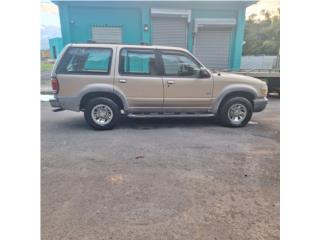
57, 44
77, 18
45, 54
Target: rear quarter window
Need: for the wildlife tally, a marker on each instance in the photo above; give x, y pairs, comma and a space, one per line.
81, 60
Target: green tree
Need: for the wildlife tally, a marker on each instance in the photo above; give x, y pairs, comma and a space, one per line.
262, 35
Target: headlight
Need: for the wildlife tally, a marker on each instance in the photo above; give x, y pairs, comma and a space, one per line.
264, 90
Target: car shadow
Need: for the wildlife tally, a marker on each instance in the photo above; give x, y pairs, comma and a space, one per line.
143, 124
157, 123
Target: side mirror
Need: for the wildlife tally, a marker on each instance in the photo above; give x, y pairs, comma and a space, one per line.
203, 73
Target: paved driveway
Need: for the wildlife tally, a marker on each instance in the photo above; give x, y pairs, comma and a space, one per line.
160, 179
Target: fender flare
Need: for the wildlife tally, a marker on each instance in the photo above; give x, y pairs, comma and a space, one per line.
101, 87
231, 89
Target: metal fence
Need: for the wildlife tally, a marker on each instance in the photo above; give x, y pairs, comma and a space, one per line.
260, 62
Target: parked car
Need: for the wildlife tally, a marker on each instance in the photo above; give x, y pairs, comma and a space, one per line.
106, 81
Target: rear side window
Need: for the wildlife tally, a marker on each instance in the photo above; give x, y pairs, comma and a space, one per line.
78, 60
137, 62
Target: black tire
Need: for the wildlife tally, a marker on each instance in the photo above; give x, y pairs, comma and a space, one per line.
101, 101
224, 110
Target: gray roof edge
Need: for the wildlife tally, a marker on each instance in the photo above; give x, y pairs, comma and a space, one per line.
249, 1
245, 2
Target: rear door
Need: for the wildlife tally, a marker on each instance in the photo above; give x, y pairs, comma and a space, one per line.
138, 77
183, 87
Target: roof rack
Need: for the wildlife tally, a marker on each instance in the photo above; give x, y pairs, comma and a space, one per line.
95, 42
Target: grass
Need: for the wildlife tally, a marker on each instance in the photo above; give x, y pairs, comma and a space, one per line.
46, 66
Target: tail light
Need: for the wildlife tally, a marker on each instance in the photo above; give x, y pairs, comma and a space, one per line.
55, 85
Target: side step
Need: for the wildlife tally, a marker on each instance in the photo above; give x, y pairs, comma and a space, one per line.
57, 110
170, 115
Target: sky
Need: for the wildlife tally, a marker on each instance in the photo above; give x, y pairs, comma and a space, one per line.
271, 5
50, 15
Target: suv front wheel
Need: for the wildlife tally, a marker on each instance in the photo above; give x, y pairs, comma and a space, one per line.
101, 113
235, 112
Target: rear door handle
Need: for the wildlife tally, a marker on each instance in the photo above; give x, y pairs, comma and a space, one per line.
122, 81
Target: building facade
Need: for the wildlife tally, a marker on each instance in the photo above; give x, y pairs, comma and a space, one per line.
56, 46
212, 30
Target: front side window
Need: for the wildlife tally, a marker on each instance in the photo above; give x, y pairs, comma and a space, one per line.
180, 64
137, 62
86, 61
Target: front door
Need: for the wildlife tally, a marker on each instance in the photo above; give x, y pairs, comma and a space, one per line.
139, 79
184, 89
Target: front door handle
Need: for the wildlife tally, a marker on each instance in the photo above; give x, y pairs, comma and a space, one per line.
170, 82
122, 81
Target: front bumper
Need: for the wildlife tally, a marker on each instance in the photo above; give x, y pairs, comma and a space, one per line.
260, 104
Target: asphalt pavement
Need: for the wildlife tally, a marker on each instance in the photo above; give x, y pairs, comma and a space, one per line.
160, 178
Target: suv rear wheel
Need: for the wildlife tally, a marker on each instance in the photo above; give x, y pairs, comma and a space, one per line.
235, 112
101, 113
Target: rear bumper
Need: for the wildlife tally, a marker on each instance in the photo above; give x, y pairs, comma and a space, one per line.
55, 103
260, 104
66, 103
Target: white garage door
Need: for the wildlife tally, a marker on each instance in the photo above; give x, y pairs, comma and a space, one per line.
107, 34
212, 47
169, 31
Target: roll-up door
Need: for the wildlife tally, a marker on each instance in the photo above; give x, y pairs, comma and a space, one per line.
212, 47
169, 31
107, 34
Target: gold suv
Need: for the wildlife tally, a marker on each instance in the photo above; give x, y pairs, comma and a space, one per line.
106, 81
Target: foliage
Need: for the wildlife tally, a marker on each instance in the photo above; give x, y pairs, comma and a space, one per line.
262, 34
46, 66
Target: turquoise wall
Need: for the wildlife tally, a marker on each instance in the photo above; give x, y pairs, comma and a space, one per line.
77, 18
80, 30
58, 44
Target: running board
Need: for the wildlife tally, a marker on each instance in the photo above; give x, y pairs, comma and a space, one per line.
57, 110
164, 115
